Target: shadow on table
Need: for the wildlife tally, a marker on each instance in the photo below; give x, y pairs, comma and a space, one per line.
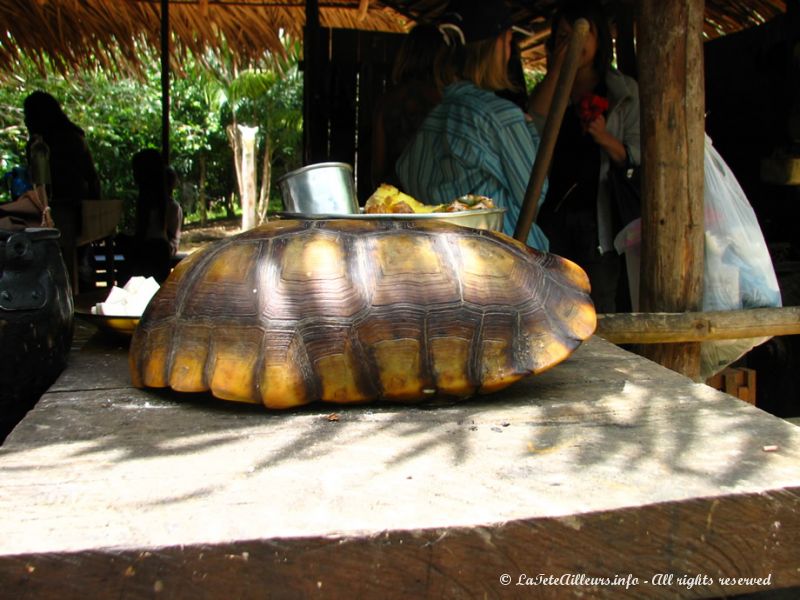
602, 408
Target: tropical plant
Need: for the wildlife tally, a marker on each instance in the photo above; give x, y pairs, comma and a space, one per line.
122, 115
269, 98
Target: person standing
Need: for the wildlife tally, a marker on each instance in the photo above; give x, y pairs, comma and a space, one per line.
403, 108
600, 131
58, 152
148, 252
73, 176
475, 142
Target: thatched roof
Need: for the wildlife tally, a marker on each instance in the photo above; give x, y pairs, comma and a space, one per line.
76, 34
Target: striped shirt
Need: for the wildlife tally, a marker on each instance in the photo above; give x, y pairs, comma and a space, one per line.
474, 142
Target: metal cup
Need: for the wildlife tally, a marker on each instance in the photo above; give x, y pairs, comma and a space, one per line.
322, 188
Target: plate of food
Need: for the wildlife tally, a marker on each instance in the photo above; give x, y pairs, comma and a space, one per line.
121, 325
117, 311
389, 203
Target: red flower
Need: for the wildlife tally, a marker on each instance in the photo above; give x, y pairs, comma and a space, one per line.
591, 106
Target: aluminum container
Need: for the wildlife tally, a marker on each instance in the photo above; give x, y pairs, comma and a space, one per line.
326, 188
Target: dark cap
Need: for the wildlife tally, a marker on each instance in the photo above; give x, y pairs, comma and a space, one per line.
478, 19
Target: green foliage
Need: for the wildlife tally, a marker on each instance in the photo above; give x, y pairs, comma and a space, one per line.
121, 116
532, 79
268, 96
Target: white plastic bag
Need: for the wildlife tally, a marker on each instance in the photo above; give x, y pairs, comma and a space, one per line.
738, 270
629, 243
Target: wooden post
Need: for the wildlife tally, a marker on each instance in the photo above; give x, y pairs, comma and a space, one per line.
165, 81
541, 164
310, 76
670, 55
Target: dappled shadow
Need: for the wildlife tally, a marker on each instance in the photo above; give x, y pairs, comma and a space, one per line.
195, 236
604, 415
651, 418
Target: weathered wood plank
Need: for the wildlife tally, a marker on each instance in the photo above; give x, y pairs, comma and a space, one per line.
660, 328
457, 562
608, 464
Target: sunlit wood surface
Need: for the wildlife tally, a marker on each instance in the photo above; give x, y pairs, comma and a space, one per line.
605, 465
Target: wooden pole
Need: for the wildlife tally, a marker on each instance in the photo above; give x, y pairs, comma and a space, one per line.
247, 136
552, 124
165, 81
310, 75
664, 328
670, 55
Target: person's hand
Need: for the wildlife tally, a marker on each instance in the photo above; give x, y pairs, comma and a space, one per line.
597, 128
611, 145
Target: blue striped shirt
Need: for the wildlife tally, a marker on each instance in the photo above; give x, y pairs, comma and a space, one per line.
474, 142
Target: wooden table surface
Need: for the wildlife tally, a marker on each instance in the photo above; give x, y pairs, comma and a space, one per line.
607, 476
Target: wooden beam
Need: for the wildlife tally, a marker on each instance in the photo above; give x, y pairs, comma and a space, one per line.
670, 55
363, 9
311, 76
661, 328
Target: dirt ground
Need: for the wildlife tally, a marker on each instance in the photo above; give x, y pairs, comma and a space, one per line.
194, 236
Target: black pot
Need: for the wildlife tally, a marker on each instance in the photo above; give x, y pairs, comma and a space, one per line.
36, 319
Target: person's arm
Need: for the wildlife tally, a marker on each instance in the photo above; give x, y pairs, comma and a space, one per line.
521, 143
607, 142
174, 219
631, 137
626, 149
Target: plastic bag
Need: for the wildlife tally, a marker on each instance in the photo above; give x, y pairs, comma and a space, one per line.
738, 270
629, 242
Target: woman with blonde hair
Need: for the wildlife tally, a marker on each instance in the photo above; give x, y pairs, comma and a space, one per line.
403, 108
474, 142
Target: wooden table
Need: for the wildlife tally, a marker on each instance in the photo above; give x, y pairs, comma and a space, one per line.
607, 466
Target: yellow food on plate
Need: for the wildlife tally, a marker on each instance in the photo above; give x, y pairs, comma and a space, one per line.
388, 199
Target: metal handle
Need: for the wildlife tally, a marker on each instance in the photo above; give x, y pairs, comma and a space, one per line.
22, 280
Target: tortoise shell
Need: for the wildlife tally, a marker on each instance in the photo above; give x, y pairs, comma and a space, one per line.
358, 310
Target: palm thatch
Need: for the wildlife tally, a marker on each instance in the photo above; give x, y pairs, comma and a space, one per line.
116, 34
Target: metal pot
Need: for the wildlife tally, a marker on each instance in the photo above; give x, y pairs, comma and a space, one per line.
322, 188
36, 319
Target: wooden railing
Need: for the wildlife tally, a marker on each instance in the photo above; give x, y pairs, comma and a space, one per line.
666, 328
